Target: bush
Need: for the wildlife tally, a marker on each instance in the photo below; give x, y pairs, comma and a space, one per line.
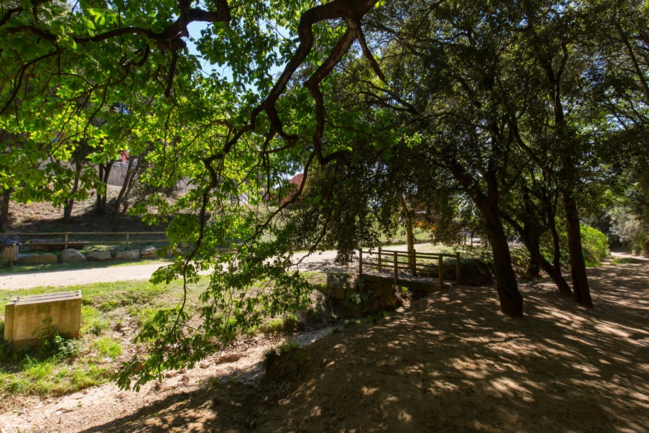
60, 348
594, 244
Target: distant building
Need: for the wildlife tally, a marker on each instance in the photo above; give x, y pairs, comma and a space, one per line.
297, 180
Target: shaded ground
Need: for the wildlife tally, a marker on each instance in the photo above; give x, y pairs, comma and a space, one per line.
453, 363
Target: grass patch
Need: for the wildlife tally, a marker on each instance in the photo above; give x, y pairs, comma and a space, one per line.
625, 261
288, 324
108, 347
64, 366
274, 326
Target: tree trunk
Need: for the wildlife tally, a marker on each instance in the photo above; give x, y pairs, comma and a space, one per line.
410, 239
577, 264
4, 211
125, 186
557, 277
411, 246
104, 174
69, 203
556, 242
532, 241
67, 210
511, 300
532, 246
533, 269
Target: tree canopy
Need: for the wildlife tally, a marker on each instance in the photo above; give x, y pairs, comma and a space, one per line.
524, 113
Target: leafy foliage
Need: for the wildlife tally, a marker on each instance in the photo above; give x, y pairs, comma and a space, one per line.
508, 118
595, 245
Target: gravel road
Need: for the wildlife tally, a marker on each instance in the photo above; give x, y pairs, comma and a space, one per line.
320, 261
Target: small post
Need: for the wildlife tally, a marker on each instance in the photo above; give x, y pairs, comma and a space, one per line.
440, 272
380, 265
457, 267
414, 263
66, 241
126, 248
360, 263
396, 270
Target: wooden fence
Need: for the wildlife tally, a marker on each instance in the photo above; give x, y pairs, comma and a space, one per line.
402, 260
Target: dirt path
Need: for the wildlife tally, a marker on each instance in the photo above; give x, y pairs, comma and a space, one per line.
322, 261
453, 363
75, 277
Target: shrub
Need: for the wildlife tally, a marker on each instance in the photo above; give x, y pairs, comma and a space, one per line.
60, 348
594, 244
109, 305
288, 324
291, 323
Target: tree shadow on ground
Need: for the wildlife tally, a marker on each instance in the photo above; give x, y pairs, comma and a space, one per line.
452, 364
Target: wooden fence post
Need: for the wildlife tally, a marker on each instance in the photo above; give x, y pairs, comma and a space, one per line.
396, 269
66, 241
440, 273
457, 268
360, 263
380, 265
414, 263
126, 248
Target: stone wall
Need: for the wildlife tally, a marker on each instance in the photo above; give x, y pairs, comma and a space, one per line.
363, 296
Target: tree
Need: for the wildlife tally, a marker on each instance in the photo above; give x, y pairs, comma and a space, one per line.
450, 92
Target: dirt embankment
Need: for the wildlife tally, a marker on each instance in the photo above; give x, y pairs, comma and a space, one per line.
452, 364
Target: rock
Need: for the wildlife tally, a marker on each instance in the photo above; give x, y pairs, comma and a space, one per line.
169, 252
128, 255
72, 256
99, 256
148, 252
365, 297
36, 259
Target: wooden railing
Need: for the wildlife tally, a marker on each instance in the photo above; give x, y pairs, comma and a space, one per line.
67, 235
415, 262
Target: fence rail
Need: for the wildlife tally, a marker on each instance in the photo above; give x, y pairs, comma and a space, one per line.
390, 259
66, 241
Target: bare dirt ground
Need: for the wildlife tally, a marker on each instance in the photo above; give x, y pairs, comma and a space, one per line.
452, 363
72, 277
322, 261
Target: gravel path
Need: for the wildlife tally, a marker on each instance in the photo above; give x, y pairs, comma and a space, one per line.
320, 261
74, 277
